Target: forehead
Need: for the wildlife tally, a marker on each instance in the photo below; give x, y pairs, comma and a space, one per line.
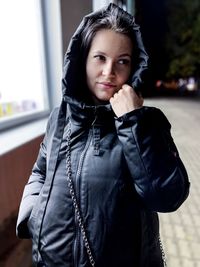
107, 40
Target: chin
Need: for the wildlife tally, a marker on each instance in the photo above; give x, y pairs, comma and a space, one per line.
101, 100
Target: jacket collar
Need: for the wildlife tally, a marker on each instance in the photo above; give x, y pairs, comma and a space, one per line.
82, 113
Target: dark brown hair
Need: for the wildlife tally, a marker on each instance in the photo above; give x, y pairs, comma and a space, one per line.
113, 18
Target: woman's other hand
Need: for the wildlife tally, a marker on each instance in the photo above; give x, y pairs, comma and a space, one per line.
125, 100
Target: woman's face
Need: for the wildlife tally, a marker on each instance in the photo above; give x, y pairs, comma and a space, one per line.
108, 64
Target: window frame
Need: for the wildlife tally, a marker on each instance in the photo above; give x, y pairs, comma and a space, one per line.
47, 61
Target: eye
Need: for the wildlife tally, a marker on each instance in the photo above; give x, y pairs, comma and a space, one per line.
100, 57
124, 61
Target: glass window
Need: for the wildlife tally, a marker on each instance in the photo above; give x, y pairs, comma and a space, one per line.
23, 79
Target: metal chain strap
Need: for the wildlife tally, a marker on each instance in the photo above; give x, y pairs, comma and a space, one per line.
74, 198
162, 252
77, 209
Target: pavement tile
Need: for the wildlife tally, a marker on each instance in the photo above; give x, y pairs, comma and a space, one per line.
195, 247
191, 234
174, 262
168, 230
187, 263
196, 219
180, 230
170, 247
185, 249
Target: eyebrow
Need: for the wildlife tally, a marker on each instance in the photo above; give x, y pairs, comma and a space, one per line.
122, 55
125, 55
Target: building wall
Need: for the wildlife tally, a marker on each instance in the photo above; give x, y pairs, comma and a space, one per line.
16, 165
15, 168
72, 13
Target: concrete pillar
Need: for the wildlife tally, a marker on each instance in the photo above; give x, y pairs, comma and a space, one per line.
100, 3
72, 13
131, 6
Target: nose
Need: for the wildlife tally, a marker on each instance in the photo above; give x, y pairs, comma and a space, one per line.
108, 69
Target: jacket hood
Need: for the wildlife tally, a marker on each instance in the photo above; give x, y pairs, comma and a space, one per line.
72, 81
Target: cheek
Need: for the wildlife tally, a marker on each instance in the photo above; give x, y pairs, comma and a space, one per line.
124, 77
87, 69
91, 76
90, 70
88, 73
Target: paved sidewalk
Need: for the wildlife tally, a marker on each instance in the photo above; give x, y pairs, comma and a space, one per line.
180, 230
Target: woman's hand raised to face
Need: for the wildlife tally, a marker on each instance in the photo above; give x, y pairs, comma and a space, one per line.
125, 100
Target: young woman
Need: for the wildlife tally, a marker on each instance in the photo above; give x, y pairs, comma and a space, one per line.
107, 164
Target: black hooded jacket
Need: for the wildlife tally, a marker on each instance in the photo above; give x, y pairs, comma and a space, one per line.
124, 171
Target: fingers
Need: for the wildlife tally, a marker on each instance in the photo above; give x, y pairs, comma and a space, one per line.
128, 90
125, 100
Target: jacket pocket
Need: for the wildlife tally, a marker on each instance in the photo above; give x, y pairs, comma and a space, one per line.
32, 218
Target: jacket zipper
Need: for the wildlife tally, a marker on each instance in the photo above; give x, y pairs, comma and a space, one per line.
77, 180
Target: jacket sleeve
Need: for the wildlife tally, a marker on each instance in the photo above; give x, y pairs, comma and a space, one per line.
35, 183
159, 175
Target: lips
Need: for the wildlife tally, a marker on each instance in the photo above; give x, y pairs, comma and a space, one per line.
107, 84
